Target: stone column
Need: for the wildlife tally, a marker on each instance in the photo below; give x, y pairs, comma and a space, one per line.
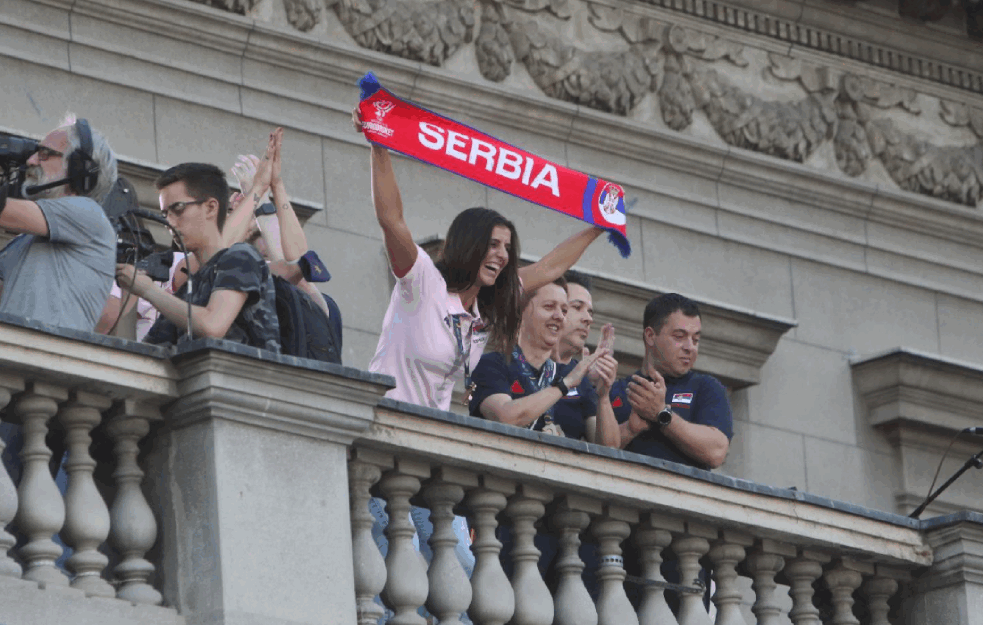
533, 602
41, 509
134, 528
611, 529
8, 492
654, 535
727, 553
86, 513
764, 563
450, 588
951, 590
572, 603
370, 566
493, 600
252, 482
406, 586
842, 579
801, 572
689, 548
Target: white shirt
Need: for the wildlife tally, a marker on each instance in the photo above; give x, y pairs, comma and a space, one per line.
418, 345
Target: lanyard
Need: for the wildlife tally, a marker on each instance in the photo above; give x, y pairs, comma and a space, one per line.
545, 378
464, 349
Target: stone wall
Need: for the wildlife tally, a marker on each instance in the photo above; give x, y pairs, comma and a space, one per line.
819, 163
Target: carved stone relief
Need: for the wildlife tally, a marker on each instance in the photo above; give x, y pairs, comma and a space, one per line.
417, 30
688, 71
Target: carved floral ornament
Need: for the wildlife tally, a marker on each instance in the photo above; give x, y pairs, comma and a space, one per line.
685, 70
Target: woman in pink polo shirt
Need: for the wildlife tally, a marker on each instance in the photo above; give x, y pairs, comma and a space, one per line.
441, 315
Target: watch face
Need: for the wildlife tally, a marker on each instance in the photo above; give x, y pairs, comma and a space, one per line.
665, 417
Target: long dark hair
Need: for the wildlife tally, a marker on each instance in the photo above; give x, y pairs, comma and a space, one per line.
460, 261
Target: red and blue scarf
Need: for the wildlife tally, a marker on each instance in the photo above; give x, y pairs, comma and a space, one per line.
437, 140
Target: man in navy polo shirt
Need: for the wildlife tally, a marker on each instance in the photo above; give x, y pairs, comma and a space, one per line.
667, 410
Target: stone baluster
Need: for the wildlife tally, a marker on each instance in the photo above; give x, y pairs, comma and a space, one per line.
450, 588
41, 510
406, 571
764, 563
726, 553
842, 580
654, 535
493, 601
689, 548
533, 603
86, 514
133, 530
370, 566
801, 573
572, 603
613, 607
8, 492
878, 590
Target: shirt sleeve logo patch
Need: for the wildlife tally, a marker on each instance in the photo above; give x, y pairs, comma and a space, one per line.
517, 388
682, 398
617, 403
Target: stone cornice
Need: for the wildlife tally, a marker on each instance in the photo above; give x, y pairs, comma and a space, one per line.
904, 387
864, 36
217, 384
639, 483
95, 364
734, 345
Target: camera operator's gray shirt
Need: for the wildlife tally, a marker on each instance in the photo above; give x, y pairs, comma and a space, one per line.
62, 279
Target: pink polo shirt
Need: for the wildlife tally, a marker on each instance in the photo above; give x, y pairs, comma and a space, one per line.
418, 345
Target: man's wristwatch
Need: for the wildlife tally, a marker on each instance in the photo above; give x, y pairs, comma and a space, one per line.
664, 418
558, 383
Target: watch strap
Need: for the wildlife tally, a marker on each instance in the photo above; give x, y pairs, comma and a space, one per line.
558, 383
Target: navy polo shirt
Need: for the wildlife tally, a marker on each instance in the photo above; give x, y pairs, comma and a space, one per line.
696, 397
494, 375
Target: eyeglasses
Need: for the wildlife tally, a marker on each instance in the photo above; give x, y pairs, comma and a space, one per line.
179, 207
44, 153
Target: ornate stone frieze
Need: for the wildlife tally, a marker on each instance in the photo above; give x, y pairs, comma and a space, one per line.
417, 30
611, 58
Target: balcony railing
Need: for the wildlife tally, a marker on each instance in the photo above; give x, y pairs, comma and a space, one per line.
214, 483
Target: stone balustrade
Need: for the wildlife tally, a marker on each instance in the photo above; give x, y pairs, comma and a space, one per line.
214, 483
776, 556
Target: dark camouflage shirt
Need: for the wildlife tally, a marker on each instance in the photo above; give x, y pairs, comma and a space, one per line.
237, 268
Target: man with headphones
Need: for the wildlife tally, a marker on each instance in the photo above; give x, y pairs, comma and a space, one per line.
60, 269
667, 410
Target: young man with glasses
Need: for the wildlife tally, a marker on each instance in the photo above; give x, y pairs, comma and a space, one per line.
59, 270
233, 296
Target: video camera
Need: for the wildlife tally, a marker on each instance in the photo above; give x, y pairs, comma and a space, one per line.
134, 244
14, 152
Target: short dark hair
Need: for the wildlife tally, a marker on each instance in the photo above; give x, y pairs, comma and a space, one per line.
527, 296
203, 182
580, 279
659, 309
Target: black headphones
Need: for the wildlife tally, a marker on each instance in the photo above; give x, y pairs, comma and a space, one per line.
83, 172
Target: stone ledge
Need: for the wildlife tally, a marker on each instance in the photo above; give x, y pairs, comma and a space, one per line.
221, 380
640, 482
112, 366
735, 342
23, 603
905, 386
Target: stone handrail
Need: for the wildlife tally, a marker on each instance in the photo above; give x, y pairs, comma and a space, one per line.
774, 536
215, 483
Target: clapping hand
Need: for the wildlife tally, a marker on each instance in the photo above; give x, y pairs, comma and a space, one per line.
607, 342
647, 397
